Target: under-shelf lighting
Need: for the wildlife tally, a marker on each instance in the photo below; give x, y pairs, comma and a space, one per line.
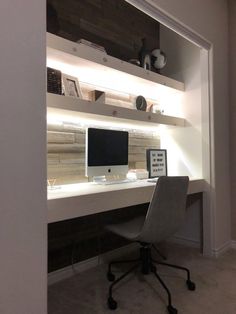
53, 121
60, 119
110, 79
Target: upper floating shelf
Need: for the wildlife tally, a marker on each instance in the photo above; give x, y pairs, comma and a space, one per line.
74, 109
99, 69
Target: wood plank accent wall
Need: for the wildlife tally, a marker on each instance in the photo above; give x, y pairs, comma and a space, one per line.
113, 24
66, 152
85, 237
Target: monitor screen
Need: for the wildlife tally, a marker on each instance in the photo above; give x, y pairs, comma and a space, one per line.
106, 152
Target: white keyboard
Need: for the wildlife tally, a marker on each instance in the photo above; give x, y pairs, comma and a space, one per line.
115, 182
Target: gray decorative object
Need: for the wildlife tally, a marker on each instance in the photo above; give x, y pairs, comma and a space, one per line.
145, 56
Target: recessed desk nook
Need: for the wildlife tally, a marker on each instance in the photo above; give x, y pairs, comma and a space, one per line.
77, 214
100, 91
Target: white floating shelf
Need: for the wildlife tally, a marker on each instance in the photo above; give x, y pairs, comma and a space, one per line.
74, 108
95, 67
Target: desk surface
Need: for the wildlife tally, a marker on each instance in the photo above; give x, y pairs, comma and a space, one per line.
81, 199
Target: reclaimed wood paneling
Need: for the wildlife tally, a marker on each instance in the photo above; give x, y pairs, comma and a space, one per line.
72, 158
62, 148
53, 159
66, 152
82, 238
60, 170
60, 137
113, 24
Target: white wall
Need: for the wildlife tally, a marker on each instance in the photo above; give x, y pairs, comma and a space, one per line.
184, 144
209, 19
23, 222
191, 231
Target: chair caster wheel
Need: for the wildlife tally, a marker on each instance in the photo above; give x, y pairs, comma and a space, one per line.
171, 309
191, 285
112, 304
110, 276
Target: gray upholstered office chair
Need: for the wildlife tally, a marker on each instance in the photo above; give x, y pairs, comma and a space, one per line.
165, 215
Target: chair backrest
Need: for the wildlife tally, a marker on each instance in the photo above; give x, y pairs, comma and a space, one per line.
166, 211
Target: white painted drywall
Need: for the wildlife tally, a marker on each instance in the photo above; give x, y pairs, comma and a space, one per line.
209, 18
184, 145
23, 207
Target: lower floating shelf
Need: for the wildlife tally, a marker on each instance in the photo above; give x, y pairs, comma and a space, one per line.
73, 107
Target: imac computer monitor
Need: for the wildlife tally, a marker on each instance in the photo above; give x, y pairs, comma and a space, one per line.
106, 152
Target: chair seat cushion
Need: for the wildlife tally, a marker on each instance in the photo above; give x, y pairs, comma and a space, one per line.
130, 229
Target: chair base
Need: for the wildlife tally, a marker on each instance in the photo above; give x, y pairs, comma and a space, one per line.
147, 264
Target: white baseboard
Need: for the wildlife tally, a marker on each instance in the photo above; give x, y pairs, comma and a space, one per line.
233, 244
222, 249
70, 271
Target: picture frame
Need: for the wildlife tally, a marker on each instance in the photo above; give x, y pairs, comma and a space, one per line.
156, 162
71, 86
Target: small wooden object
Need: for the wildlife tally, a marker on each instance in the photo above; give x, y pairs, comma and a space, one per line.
98, 96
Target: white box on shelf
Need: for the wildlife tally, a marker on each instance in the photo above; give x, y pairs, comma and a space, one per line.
137, 174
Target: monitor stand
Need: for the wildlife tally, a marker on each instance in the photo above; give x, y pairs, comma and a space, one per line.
99, 179
106, 180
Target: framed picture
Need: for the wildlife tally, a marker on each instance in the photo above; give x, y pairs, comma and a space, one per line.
156, 162
71, 86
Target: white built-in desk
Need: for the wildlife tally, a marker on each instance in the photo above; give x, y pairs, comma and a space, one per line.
82, 199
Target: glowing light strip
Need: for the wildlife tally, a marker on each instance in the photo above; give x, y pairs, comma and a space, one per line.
113, 80
60, 119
